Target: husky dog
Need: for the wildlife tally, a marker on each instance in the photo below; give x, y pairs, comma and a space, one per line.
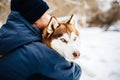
64, 38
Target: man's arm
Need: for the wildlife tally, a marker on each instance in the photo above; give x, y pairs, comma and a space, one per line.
52, 65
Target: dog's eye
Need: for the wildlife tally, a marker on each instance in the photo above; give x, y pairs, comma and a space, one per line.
63, 40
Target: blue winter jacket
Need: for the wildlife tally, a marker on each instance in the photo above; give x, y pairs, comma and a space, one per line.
25, 57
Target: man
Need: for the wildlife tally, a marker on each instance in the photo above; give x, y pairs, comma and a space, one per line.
23, 56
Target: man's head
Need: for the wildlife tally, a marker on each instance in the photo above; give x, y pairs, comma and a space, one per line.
31, 10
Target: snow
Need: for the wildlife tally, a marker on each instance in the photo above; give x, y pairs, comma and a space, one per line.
115, 26
100, 52
73, 2
104, 5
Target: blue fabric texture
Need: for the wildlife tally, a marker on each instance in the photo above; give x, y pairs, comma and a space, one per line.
25, 57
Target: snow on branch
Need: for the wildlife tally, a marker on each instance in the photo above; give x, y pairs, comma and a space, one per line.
73, 2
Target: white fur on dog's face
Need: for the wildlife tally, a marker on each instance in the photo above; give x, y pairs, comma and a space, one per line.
66, 45
62, 37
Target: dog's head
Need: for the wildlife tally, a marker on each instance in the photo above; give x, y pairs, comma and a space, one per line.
62, 37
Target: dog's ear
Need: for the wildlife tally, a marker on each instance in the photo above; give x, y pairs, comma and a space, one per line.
53, 24
72, 19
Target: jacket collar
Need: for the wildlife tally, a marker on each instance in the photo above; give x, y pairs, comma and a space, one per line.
16, 33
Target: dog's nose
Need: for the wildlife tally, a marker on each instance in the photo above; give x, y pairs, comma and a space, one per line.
76, 54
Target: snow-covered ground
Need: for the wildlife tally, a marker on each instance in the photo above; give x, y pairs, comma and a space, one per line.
100, 51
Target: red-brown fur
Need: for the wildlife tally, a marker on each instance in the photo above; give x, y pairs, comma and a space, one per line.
58, 32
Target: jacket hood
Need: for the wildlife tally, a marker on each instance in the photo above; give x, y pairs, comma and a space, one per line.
17, 32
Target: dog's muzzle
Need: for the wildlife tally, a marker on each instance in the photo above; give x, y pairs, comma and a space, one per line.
76, 54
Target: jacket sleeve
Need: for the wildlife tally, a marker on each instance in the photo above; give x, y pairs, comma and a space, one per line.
52, 65
31, 10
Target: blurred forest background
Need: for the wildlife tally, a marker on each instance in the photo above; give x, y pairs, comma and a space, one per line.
86, 10
58, 8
